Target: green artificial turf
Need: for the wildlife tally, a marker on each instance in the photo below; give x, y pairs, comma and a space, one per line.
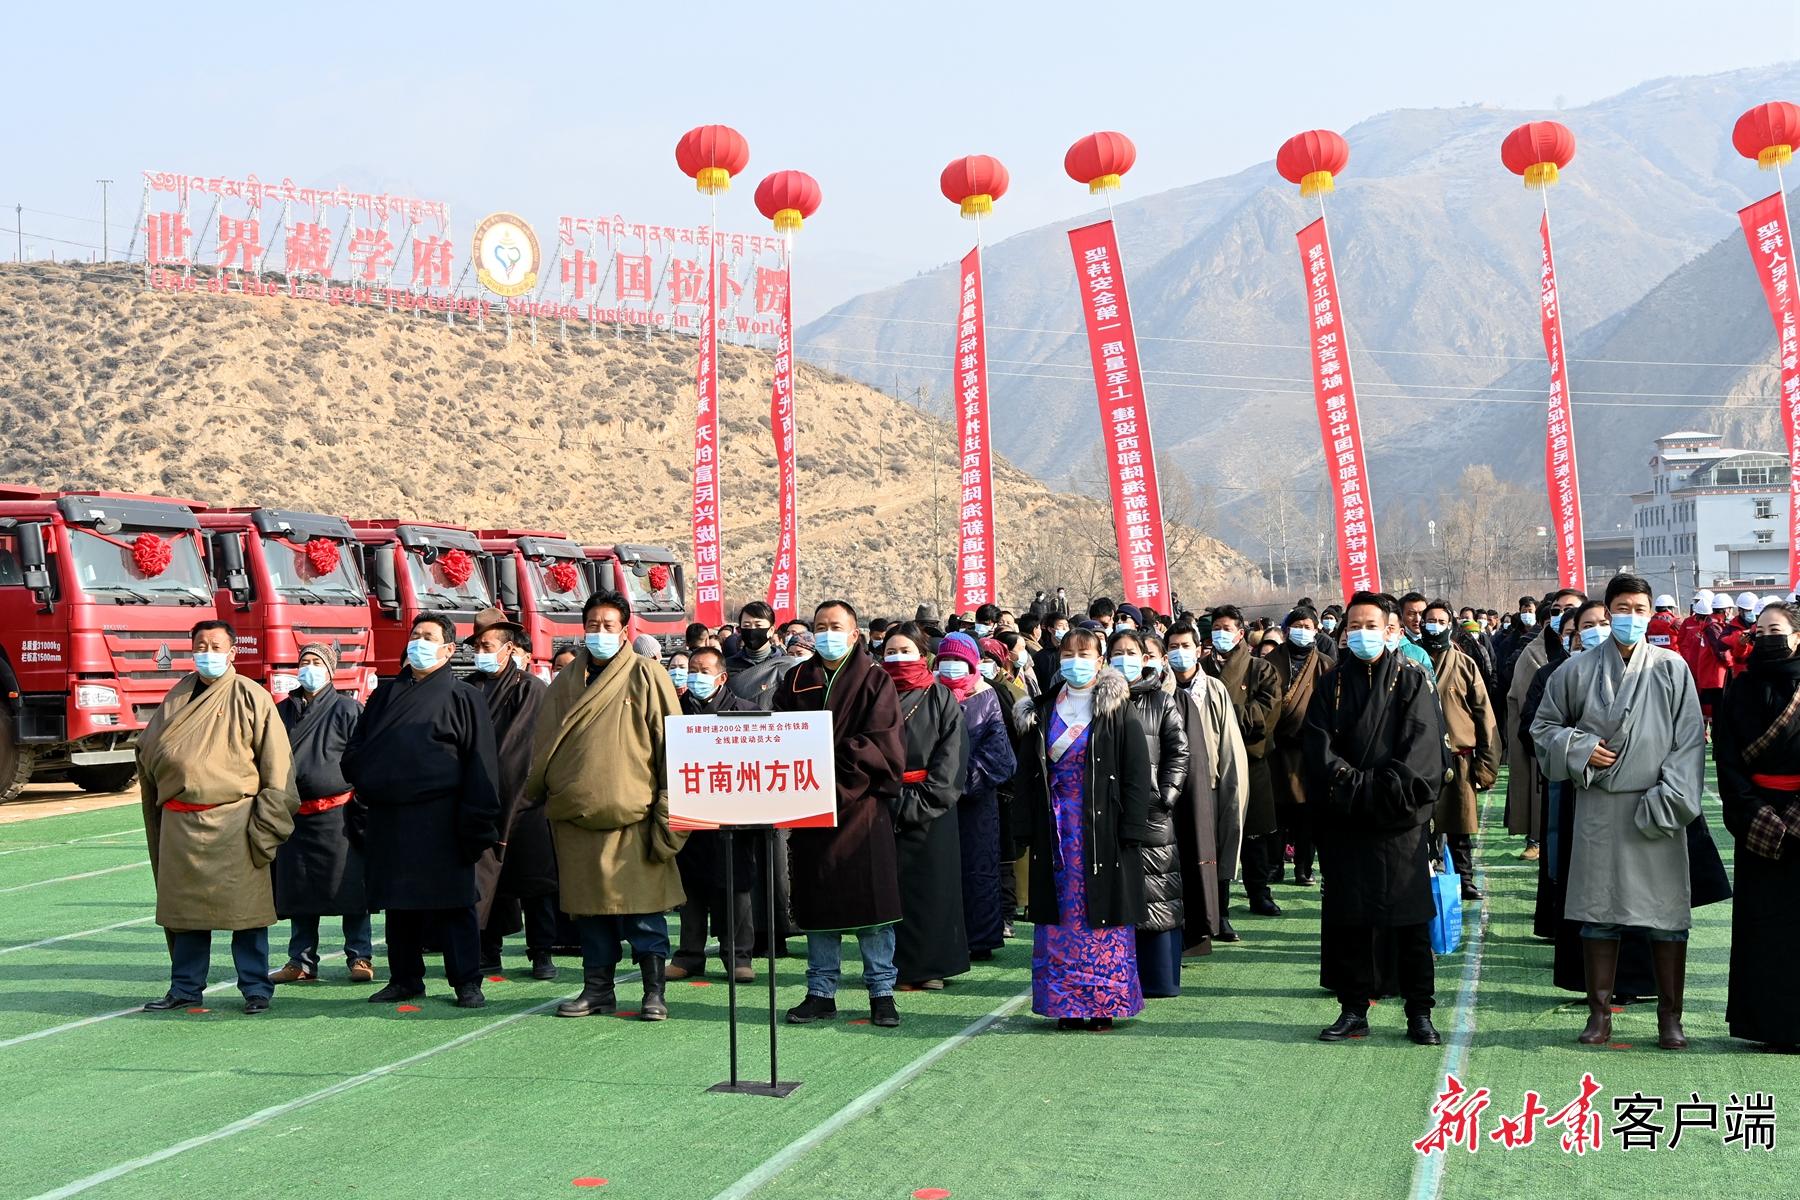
1222, 1090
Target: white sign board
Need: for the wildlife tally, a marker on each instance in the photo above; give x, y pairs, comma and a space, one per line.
779, 770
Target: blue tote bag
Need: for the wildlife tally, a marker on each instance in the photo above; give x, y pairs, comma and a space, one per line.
1446, 902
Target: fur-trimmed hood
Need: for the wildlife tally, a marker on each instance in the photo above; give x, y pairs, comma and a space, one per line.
1110, 694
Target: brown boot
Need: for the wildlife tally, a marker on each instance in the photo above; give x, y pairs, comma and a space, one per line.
1669, 962
1600, 966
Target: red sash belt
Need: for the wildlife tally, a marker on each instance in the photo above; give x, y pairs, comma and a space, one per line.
312, 808
1469, 753
1777, 783
184, 806
915, 777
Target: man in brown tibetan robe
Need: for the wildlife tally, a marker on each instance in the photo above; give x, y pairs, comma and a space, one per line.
216, 779
847, 879
1474, 740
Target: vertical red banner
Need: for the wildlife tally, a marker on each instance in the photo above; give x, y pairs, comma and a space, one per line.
1560, 475
786, 568
977, 577
1334, 393
1124, 415
709, 604
1771, 246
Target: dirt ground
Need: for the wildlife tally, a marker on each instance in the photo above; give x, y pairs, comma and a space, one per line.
59, 799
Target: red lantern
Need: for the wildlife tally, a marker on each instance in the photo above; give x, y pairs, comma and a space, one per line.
1099, 159
563, 577
1538, 150
1312, 160
1768, 133
659, 577
711, 155
975, 182
150, 555
788, 198
321, 555
457, 565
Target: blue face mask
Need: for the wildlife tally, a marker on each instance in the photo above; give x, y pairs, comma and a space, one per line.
1367, 644
701, 686
833, 644
1129, 665
1056, 636
953, 668
1224, 640
981, 630
1329, 624
1392, 641
1628, 628
1435, 627
603, 645
211, 663
678, 676
422, 655
1078, 672
1301, 637
1592, 636
487, 664
1183, 659
989, 668
1528, 619
314, 677
1556, 621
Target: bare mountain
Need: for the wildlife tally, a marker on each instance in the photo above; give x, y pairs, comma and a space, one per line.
236, 400
1438, 261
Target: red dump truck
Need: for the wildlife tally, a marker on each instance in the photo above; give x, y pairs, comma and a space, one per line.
542, 579
284, 578
655, 584
417, 567
98, 591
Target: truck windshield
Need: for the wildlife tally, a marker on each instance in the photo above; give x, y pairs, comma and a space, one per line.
294, 575
645, 598
106, 567
544, 584
437, 591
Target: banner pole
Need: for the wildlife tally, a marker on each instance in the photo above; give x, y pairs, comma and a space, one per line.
729, 952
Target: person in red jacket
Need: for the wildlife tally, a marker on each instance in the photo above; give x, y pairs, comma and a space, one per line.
1687, 638
1664, 624
1740, 628
1712, 658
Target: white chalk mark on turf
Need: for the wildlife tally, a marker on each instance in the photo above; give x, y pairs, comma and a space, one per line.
96, 837
65, 937
25, 887
807, 1142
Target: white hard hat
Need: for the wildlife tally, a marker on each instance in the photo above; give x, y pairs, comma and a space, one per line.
1702, 606
1764, 602
1721, 603
1746, 601
1665, 601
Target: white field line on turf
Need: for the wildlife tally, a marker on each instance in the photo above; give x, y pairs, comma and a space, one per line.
1428, 1172
264, 1116
25, 887
64, 937
216, 988
807, 1142
97, 837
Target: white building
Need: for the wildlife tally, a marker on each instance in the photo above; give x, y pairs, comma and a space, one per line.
1714, 517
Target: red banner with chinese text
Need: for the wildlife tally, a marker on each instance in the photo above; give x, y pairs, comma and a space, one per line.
1560, 476
1124, 415
977, 577
709, 605
785, 570
1771, 246
1359, 567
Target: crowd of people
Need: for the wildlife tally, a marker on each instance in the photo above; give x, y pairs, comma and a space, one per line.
1120, 778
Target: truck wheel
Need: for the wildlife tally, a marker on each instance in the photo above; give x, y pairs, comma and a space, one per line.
110, 777
15, 762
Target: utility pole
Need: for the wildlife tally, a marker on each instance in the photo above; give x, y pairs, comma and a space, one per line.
19, 228
104, 255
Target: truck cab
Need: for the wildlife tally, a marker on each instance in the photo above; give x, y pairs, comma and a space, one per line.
656, 585
418, 567
285, 578
98, 594
542, 579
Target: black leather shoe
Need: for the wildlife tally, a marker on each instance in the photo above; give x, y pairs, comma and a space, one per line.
470, 996
1421, 1030
1227, 934
256, 1004
1350, 1024
170, 1001
1266, 908
393, 993
543, 967
597, 998
813, 1008
1305, 880
490, 966
883, 1013
1470, 892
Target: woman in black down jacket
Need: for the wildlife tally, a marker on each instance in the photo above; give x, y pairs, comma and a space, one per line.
1159, 939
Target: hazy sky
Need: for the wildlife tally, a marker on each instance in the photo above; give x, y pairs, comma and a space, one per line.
547, 109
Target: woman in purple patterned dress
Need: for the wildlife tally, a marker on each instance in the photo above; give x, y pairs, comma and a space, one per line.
1086, 784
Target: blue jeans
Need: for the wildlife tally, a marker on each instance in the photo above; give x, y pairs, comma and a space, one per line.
648, 933
190, 955
303, 939
824, 961
1602, 932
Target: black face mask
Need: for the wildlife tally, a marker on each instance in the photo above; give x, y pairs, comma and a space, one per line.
1436, 643
1770, 647
753, 639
